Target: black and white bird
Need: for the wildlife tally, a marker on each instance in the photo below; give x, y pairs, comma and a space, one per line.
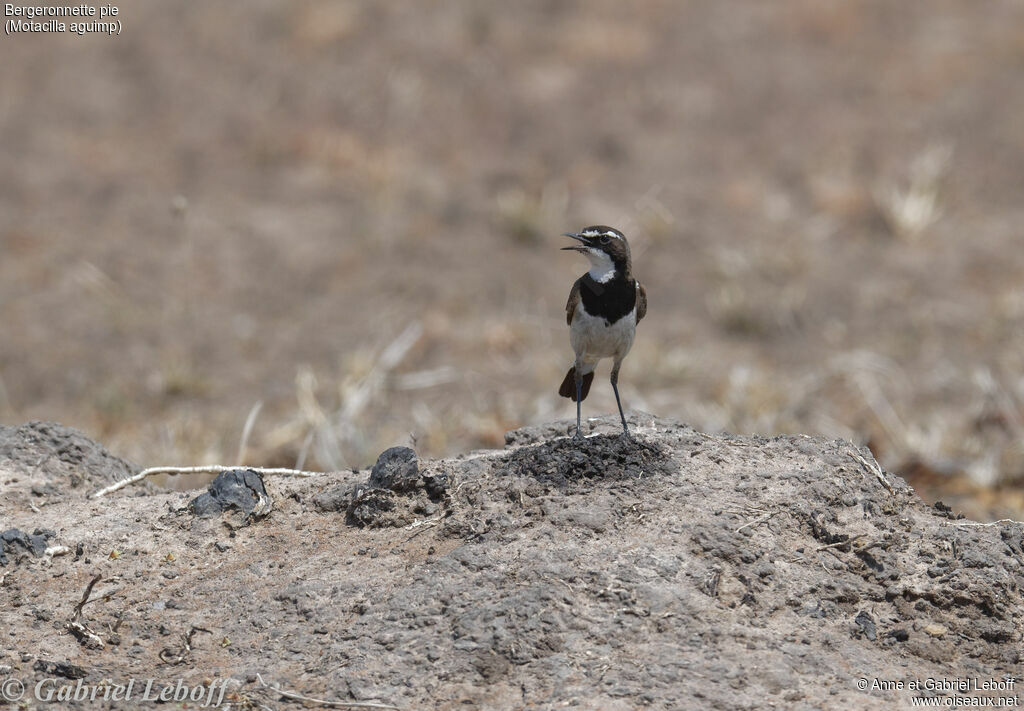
604, 307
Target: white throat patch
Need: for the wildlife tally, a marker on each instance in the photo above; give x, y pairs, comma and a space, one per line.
602, 268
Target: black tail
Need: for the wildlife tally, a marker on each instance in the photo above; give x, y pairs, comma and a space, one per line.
568, 386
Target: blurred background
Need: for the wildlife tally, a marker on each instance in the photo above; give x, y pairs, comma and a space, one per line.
302, 232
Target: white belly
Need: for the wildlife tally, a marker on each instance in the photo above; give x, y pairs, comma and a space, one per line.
593, 339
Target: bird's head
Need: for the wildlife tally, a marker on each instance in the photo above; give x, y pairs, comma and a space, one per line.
606, 248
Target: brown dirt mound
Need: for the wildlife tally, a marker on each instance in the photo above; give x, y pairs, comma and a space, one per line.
726, 572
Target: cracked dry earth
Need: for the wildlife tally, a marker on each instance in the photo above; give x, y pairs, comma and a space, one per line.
684, 571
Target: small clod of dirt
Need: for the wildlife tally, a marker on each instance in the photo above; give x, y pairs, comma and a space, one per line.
396, 469
239, 490
397, 493
865, 625
376, 508
942, 509
14, 542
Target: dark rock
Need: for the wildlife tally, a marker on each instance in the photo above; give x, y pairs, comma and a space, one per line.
866, 625
238, 489
63, 669
395, 494
13, 541
396, 469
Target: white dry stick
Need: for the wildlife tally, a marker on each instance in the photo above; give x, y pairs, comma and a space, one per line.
424, 522
210, 469
993, 523
88, 637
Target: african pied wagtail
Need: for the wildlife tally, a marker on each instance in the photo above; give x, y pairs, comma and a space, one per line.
604, 307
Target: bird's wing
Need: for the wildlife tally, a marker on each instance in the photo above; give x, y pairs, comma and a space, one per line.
641, 302
573, 302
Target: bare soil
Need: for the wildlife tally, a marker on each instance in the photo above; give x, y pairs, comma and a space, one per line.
681, 570
246, 202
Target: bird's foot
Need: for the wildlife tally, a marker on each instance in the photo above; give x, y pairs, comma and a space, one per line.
578, 437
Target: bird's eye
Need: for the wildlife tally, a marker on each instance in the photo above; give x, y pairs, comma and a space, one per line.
605, 239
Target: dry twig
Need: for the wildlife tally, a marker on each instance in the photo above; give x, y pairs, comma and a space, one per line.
838, 544
760, 519
81, 632
85, 597
424, 522
876, 470
324, 702
171, 655
208, 469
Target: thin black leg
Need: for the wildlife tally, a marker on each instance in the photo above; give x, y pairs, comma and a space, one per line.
579, 403
615, 387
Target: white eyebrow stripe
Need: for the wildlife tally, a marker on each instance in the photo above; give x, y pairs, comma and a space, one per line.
595, 233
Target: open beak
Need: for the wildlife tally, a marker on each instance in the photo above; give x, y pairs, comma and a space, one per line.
576, 247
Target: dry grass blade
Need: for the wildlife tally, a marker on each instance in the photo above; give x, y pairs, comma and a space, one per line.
909, 212
250, 422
